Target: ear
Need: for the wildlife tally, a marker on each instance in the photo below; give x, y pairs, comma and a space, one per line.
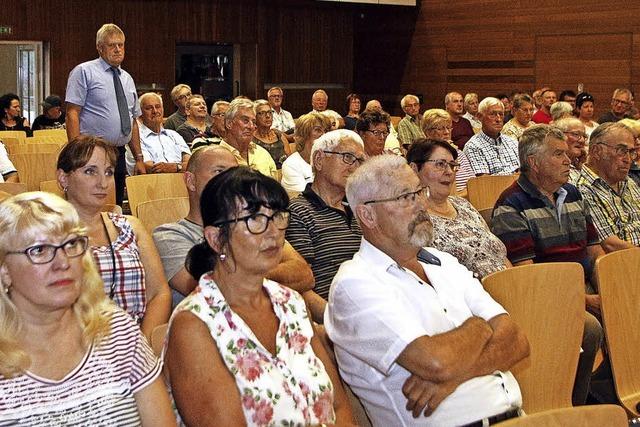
5, 278
366, 215
532, 162
190, 181
212, 236
63, 178
317, 157
414, 167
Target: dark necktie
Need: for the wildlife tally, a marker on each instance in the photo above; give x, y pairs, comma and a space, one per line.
125, 120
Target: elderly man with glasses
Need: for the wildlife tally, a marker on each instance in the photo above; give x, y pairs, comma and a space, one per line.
180, 94
401, 315
322, 227
612, 198
621, 103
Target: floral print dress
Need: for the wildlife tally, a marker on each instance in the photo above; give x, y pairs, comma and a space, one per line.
290, 388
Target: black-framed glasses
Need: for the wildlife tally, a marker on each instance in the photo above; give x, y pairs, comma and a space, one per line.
623, 150
348, 158
184, 96
441, 164
576, 134
217, 115
378, 133
45, 253
404, 198
257, 223
264, 113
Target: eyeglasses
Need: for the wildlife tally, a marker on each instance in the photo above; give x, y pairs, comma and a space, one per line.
442, 128
217, 115
45, 253
577, 135
378, 133
264, 113
184, 96
621, 101
494, 114
404, 198
348, 158
257, 223
275, 96
622, 150
441, 164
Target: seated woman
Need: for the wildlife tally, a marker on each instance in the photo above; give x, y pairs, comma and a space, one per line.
353, 111
124, 251
522, 109
458, 227
272, 140
69, 356
296, 170
11, 114
437, 124
241, 348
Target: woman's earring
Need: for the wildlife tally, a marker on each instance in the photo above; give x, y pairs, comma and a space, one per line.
222, 257
64, 189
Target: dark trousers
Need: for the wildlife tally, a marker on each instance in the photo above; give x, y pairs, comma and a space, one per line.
120, 174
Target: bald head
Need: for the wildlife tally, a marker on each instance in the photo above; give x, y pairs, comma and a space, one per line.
204, 164
374, 104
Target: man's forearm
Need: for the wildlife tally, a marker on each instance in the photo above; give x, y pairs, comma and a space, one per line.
316, 305
72, 121
614, 243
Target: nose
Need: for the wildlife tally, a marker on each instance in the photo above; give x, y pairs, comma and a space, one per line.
60, 259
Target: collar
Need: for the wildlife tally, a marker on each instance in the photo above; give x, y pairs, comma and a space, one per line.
592, 178
533, 191
318, 203
234, 150
145, 131
381, 260
105, 65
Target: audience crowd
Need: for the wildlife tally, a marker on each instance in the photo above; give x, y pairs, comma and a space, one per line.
315, 250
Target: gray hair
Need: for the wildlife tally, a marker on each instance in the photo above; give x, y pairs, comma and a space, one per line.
107, 30
320, 92
375, 178
260, 102
470, 97
407, 98
273, 89
560, 109
447, 97
532, 141
216, 106
520, 99
194, 96
621, 91
567, 122
489, 102
176, 89
146, 95
601, 132
236, 105
330, 140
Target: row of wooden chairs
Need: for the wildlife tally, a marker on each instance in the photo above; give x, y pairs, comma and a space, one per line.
50, 135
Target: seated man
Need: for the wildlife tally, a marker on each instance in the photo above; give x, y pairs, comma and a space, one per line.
412, 329
410, 127
52, 116
319, 102
163, 150
195, 126
218, 110
489, 151
179, 95
542, 218
174, 240
322, 227
612, 198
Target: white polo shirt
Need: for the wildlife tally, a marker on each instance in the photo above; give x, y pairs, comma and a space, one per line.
167, 146
377, 308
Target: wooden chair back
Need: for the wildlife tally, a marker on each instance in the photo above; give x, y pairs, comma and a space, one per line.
547, 302
13, 187
33, 168
395, 120
142, 188
35, 148
9, 143
618, 279
484, 190
583, 416
156, 212
52, 186
53, 135
19, 134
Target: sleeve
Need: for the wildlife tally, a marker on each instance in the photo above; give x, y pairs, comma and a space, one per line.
510, 225
298, 233
372, 323
476, 159
6, 167
292, 178
173, 248
146, 367
597, 212
592, 233
77, 87
404, 133
180, 142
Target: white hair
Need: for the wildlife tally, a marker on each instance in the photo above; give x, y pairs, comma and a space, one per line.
216, 106
375, 178
406, 98
330, 140
235, 106
107, 30
146, 95
560, 109
489, 102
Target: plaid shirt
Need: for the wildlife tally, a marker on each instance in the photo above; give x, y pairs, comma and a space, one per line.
613, 213
128, 280
409, 129
492, 156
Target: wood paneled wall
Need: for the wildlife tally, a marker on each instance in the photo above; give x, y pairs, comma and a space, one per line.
495, 46
295, 41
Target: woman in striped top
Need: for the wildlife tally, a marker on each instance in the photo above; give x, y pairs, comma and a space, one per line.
69, 356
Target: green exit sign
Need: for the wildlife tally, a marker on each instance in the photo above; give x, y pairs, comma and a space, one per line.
5, 29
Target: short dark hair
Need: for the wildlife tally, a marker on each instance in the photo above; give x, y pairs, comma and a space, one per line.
5, 102
372, 117
219, 202
566, 93
350, 98
421, 150
79, 150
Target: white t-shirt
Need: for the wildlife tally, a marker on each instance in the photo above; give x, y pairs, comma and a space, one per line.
5, 164
296, 173
376, 309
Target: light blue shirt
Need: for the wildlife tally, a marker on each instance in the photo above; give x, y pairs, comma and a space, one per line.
90, 86
166, 146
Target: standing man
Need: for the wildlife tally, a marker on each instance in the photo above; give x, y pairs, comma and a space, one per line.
621, 103
180, 94
102, 101
543, 115
462, 129
410, 127
282, 119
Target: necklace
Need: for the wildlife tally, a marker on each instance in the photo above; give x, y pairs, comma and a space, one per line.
112, 290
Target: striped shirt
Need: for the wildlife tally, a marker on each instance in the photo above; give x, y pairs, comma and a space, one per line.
98, 392
324, 236
493, 156
613, 213
533, 228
